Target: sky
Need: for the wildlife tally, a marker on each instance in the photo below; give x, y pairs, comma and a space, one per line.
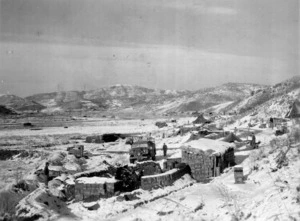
47, 46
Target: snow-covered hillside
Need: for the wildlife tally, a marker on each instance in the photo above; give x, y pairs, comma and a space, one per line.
145, 99
230, 97
270, 101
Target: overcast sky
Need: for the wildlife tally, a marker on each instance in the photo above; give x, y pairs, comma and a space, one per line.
172, 44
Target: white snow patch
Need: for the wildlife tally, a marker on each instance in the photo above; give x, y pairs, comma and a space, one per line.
208, 144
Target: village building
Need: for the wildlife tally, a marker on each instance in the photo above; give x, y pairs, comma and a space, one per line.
207, 158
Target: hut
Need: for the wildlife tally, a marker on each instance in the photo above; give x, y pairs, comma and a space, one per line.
207, 158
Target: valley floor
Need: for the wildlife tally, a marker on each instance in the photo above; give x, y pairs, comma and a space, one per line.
269, 192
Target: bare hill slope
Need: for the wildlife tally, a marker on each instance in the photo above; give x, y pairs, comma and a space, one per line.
20, 104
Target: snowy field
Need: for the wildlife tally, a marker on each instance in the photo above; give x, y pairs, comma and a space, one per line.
269, 192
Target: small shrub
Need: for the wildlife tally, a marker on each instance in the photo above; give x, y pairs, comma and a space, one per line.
231, 201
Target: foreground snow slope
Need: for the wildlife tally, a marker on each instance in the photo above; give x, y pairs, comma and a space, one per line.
269, 193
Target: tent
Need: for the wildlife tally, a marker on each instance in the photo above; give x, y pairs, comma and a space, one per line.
201, 120
231, 138
294, 111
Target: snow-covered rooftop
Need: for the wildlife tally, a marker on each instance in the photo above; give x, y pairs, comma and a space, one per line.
91, 180
161, 174
56, 168
215, 146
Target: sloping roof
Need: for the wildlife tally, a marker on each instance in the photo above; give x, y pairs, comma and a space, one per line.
294, 111
200, 119
209, 146
231, 138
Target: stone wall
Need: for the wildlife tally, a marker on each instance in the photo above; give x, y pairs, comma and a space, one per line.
204, 165
94, 191
163, 179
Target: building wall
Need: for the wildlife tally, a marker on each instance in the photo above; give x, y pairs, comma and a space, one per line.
163, 179
95, 191
201, 164
204, 166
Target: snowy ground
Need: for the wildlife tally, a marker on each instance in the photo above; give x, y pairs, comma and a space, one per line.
265, 195
269, 193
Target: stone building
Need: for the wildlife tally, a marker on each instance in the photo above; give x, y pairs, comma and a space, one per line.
207, 158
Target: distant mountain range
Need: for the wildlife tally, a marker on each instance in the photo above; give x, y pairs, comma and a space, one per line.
144, 99
230, 97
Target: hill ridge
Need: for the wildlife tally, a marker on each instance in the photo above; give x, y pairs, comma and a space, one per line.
229, 97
